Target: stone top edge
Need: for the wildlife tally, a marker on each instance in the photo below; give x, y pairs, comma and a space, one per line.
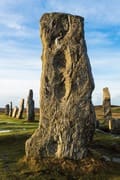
62, 13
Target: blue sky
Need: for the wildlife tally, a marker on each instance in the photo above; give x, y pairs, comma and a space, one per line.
20, 45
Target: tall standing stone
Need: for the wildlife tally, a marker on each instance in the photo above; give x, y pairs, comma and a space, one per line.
7, 109
10, 109
67, 117
107, 104
15, 111
21, 109
30, 107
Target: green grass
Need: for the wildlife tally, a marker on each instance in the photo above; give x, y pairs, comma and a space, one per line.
116, 110
16, 126
12, 145
12, 152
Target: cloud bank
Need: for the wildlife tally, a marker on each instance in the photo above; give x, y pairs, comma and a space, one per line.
20, 45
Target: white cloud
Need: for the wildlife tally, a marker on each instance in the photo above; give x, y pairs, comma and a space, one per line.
98, 38
105, 58
106, 71
25, 73
99, 12
14, 25
20, 48
113, 86
19, 51
14, 90
11, 20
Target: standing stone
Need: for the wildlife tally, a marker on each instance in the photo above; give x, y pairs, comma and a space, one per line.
7, 109
67, 117
114, 126
107, 104
30, 107
21, 109
15, 111
10, 109
97, 124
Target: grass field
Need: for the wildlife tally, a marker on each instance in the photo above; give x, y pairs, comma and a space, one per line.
100, 164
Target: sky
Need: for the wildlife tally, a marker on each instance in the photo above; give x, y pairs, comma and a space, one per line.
21, 48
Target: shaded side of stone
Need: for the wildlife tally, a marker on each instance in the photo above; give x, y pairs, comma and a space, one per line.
67, 116
107, 104
7, 109
114, 126
30, 109
10, 109
97, 124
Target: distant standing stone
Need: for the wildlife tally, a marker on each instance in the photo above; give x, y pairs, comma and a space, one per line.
15, 111
30, 112
21, 109
114, 126
107, 104
97, 124
7, 109
10, 109
67, 116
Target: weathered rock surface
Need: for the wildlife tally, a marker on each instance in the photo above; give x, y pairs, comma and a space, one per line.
15, 111
67, 118
21, 109
107, 104
10, 109
7, 109
97, 124
114, 126
30, 107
